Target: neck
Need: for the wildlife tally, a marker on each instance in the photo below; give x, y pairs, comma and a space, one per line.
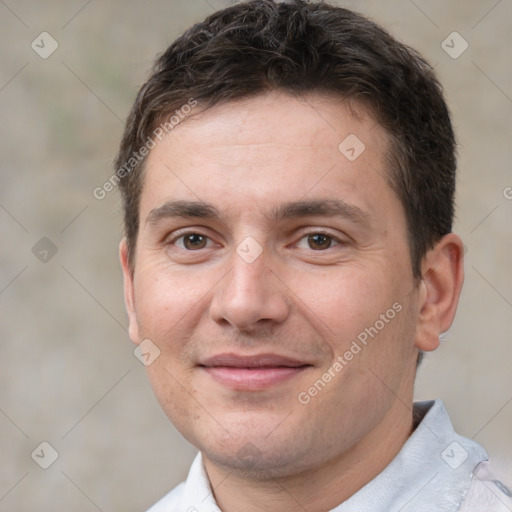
320, 489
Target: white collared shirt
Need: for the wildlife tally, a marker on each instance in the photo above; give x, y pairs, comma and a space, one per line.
435, 471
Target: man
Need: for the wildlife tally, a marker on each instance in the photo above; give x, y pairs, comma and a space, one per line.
288, 178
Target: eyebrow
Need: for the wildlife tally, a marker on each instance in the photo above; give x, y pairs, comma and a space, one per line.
186, 209
292, 209
323, 208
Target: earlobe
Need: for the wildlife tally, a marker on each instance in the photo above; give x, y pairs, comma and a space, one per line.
440, 287
129, 295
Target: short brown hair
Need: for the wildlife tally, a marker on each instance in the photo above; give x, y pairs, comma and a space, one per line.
300, 47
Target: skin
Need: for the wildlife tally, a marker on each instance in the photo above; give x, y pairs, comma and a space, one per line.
299, 298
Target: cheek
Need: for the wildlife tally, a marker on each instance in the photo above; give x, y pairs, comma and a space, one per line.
166, 299
344, 301
168, 385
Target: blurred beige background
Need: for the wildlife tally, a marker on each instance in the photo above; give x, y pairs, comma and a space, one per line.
67, 371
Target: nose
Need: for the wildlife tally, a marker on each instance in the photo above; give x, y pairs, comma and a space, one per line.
250, 296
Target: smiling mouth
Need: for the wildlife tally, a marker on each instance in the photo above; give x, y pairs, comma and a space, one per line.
252, 373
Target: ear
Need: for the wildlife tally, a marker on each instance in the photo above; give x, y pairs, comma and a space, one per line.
133, 329
440, 287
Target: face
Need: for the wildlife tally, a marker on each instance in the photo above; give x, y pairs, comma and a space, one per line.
272, 271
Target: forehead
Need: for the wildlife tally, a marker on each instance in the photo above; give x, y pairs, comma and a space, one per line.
271, 148
313, 120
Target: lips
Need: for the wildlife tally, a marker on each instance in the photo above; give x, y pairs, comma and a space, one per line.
252, 373
256, 361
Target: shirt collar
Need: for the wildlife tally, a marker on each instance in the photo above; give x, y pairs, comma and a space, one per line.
432, 471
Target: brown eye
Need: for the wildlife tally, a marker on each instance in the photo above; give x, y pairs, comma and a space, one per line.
194, 241
318, 241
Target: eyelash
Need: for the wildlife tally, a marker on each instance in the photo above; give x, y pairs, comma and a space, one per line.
183, 235
334, 239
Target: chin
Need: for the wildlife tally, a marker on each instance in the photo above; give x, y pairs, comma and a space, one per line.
258, 450
260, 463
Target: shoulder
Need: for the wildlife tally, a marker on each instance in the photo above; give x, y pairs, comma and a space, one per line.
170, 501
487, 493
190, 496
